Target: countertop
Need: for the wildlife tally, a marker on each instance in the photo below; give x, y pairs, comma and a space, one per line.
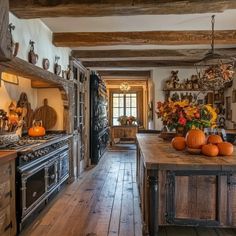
6, 156
159, 154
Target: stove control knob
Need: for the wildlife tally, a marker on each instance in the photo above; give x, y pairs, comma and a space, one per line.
25, 158
41, 152
31, 156
36, 154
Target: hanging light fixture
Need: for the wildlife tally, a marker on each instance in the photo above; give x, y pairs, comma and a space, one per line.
215, 71
124, 87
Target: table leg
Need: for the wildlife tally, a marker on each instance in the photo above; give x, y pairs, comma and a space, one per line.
153, 205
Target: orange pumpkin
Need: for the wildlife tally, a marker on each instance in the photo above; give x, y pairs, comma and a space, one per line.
195, 138
210, 150
178, 143
37, 130
214, 139
225, 148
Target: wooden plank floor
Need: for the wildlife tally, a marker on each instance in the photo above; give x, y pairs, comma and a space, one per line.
104, 202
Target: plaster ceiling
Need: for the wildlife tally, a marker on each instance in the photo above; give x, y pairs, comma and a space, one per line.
192, 22
224, 21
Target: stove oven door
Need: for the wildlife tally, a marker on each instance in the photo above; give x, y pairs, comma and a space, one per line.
33, 188
63, 166
51, 175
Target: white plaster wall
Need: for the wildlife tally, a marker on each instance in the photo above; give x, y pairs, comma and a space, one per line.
11, 92
37, 31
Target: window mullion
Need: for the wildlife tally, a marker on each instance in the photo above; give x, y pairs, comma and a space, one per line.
124, 105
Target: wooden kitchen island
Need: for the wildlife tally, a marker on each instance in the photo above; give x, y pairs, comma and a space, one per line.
7, 193
177, 188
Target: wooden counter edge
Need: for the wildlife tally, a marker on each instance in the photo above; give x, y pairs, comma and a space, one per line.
6, 156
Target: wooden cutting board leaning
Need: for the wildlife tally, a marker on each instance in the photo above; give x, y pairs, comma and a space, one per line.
47, 114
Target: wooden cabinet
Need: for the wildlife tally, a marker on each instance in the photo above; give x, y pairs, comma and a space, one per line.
7, 197
80, 118
125, 133
5, 41
177, 188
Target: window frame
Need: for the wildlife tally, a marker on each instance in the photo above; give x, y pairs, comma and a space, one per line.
124, 104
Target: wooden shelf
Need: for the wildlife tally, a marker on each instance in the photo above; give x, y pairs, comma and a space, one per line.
186, 90
27, 70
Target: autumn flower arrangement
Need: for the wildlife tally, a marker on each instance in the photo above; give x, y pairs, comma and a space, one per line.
177, 114
127, 120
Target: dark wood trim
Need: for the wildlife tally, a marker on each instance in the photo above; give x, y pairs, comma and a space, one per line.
78, 39
148, 53
5, 52
139, 63
125, 73
47, 8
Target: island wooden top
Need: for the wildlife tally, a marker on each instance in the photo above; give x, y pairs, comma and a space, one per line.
6, 156
159, 154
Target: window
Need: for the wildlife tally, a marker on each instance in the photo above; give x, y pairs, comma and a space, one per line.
123, 105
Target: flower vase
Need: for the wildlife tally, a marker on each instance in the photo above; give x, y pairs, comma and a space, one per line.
181, 131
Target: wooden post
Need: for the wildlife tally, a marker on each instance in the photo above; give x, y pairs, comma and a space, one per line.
153, 205
5, 42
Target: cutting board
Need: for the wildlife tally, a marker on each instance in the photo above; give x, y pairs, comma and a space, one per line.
47, 114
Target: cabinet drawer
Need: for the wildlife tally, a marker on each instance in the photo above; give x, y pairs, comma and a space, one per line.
5, 221
5, 194
5, 185
5, 172
130, 133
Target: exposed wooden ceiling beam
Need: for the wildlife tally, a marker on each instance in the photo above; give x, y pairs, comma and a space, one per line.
94, 55
138, 64
48, 8
77, 39
125, 73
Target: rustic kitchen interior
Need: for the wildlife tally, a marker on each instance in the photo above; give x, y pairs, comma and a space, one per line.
117, 118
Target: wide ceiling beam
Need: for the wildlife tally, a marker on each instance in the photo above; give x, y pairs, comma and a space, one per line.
78, 39
125, 73
137, 64
148, 54
81, 8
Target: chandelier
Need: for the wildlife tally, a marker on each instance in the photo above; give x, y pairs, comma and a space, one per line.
124, 87
215, 71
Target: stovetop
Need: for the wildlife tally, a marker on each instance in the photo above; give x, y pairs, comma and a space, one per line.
27, 142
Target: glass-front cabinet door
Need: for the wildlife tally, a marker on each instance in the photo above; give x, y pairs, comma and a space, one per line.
81, 117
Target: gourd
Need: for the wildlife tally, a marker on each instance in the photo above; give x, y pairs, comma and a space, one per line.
210, 150
225, 148
37, 130
178, 143
214, 139
195, 138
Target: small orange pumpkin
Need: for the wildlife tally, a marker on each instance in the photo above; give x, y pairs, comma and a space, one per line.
210, 150
178, 143
195, 138
214, 139
225, 148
